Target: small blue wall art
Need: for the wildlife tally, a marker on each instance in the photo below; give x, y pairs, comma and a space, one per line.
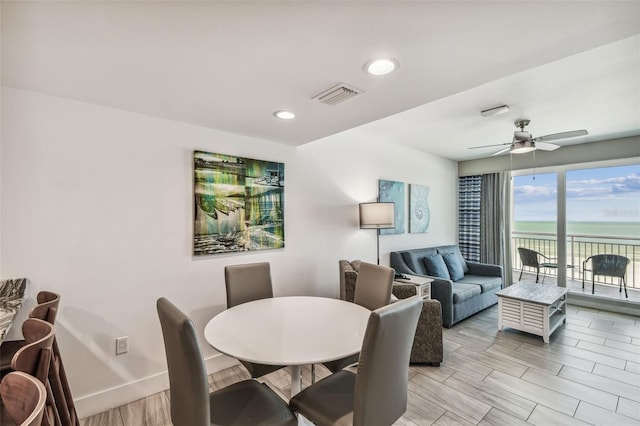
419, 213
389, 190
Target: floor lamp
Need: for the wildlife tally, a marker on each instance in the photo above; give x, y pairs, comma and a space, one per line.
377, 215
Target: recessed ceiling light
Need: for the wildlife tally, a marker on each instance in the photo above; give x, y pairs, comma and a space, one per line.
382, 66
284, 115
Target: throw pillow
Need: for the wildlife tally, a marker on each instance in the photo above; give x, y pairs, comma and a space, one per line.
456, 271
455, 250
436, 267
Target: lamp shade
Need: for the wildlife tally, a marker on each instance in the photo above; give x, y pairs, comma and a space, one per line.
377, 215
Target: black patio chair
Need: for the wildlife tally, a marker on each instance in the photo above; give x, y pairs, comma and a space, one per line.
610, 265
532, 259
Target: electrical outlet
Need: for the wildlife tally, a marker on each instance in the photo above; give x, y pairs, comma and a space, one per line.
122, 345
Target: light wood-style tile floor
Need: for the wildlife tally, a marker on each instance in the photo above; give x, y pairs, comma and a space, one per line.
589, 374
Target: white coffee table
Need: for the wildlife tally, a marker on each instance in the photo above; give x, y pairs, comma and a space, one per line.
535, 308
294, 331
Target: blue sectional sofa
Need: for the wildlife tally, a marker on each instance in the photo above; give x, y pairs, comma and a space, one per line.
462, 288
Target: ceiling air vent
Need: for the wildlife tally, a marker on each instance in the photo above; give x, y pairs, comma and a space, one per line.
337, 94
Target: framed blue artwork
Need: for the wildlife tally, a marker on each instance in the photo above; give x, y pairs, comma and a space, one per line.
419, 213
392, 191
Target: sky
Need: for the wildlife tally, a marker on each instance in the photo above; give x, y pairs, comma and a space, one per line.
610, 194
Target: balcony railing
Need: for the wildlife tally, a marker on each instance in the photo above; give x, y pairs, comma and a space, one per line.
579, 248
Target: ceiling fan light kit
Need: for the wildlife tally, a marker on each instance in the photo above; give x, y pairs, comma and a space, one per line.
524, 141
522, 147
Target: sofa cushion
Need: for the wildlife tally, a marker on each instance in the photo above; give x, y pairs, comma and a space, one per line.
485, 282
454, 265
436, 267
462, 291
456, 251
414, 259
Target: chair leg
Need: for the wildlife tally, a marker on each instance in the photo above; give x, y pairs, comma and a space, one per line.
64, 404
58, 393
593, 284
625, 288
537, 274
51, 416
521, 269
313, 373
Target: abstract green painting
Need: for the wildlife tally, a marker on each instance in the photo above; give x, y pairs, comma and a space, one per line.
239, 204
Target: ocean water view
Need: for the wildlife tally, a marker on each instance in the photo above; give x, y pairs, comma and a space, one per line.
605, 229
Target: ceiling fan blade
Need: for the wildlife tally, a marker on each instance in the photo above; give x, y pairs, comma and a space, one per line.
502, 151
563, 135
488, 146
544, 146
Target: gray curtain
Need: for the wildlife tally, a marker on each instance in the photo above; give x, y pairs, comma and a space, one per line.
495, 222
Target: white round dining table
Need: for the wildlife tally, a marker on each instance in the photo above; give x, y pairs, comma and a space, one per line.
293, 331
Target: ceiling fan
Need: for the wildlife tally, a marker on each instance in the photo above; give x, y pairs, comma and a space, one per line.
524, 141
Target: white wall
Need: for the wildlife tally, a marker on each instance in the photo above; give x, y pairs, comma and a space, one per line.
96, 204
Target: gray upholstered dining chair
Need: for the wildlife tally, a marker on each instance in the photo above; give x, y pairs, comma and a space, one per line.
247, 402
373, 286
610, 265
377, 393
245, 283
373, 290
23, 398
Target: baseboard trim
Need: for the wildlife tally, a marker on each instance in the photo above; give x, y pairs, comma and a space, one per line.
604, 304
120, 395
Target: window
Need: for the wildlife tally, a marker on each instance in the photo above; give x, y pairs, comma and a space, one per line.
604, 201
598, 210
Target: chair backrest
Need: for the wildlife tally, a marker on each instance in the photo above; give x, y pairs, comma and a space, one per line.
47, 307
247, 282
382, 378
187, 374
612, 265
35, 356
529, 257
373, 286
23, 397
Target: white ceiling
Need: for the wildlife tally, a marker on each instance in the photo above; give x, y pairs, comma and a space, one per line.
229, 65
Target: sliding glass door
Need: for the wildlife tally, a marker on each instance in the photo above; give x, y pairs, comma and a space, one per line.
535, 218
603, 217
569, 213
